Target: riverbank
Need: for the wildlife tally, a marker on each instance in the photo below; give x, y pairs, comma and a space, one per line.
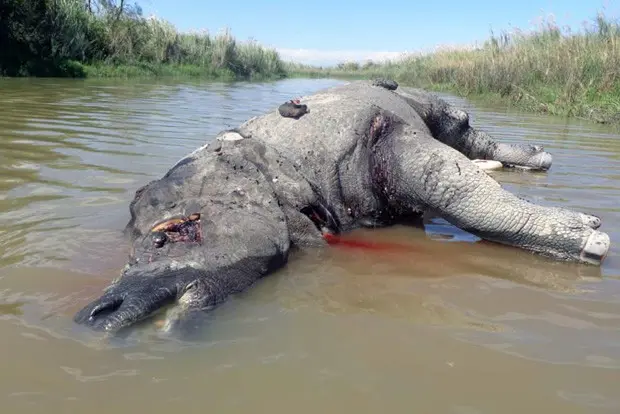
149, 70
550, 70
74, 38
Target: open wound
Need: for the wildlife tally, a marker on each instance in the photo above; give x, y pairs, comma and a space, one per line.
379, 127
179, 229
322, 218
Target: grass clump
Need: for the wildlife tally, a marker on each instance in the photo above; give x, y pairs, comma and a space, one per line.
550, 70
112, 38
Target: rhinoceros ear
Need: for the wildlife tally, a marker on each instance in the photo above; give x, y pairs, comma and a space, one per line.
293, 110
389, 84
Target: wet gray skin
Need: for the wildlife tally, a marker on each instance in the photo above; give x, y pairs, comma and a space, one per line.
450, 125
364, 155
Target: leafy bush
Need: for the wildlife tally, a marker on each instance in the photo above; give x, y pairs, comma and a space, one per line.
53, 37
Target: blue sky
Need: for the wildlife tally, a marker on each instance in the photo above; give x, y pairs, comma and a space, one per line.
327, 32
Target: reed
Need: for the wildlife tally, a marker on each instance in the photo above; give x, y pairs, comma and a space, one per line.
551, 69
107, 38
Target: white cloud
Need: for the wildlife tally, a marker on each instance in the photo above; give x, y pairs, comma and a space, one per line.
332, 57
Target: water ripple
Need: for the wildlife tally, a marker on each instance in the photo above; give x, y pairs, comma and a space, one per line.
72, 154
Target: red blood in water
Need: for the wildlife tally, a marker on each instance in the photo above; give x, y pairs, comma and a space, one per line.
366, 244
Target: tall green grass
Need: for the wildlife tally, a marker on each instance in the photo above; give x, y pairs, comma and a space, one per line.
111, 38
551, 69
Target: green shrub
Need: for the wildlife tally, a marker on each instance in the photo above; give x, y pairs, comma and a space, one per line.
57, 37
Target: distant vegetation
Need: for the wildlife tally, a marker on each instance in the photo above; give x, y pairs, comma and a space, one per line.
112, 38
551, 70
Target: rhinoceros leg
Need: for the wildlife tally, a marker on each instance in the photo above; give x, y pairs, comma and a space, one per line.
427, 173
451, 126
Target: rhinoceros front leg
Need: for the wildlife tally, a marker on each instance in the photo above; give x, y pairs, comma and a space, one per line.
413, 169
451, 126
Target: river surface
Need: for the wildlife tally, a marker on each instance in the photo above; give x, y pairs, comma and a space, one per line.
449, 326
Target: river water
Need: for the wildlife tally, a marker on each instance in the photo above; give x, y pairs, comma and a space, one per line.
449, 326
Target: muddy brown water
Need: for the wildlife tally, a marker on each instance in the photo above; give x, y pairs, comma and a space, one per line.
447, 326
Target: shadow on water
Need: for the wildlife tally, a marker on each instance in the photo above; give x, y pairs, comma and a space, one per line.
443, 323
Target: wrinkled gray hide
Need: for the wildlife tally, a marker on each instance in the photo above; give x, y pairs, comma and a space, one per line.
363, 156
450, 125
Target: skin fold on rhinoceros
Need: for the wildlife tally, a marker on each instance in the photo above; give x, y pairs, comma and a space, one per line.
365, 154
